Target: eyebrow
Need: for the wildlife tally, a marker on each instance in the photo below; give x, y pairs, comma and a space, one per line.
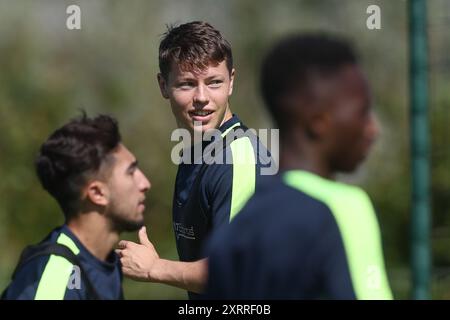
220, 76
188, 78
132, 166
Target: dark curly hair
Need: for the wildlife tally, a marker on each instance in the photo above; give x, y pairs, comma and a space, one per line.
72, 155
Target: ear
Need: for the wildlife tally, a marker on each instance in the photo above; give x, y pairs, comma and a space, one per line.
320, 123
230, 92
163, 86
98, 193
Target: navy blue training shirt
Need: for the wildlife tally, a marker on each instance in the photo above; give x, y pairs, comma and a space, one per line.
52, 277
300, 237
208, 196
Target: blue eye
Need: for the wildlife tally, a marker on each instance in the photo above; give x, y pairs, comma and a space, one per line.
186, 85
215, 83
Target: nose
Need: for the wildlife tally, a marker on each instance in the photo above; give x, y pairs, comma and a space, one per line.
144, 183
201, 95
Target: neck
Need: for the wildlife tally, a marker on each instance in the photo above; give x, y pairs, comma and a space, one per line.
227, 116
94, 233
301, 154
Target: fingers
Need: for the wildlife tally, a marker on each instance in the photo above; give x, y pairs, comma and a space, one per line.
122, 244
143, 237
126, 270
126, 263
119, 252
131, 273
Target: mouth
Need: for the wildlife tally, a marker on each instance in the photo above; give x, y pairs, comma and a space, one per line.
141, 203
201, 115
366, 151
141, 208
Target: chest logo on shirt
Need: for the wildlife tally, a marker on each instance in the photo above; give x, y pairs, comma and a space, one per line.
182, 231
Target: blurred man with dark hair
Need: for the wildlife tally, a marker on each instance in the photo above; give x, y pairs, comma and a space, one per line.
196, 76
304, 235
101, 191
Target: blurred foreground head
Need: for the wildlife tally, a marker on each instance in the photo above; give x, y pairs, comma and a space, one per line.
86, 168
320, 99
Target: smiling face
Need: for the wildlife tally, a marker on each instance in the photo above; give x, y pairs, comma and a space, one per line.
199, 98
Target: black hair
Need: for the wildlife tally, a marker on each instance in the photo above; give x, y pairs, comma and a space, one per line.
293, 62
72, 154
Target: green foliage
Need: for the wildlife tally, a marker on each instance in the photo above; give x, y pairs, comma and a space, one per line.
48, 73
